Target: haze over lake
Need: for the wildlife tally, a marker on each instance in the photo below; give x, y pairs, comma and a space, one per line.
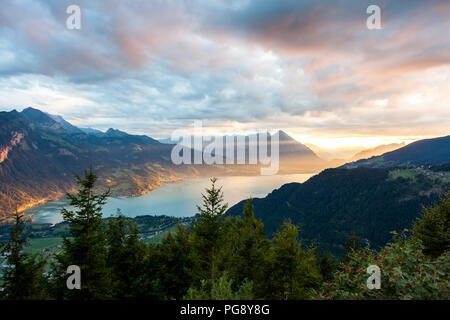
178, 199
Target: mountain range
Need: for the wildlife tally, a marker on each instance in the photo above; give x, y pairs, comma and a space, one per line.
294, 157
377, 151
368, 198
40, 153
340, 203
422, 152
339, 156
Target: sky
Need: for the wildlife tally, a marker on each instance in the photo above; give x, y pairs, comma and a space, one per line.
311, 68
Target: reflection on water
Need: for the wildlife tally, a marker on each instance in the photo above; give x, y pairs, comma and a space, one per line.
178, 199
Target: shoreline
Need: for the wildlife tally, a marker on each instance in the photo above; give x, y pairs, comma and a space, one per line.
161, 205
42, 202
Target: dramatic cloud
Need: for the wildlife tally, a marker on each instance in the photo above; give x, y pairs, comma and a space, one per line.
311, 67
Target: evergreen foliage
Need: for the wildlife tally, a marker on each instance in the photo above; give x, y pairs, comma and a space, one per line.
86, 247
208, 235
222, 257
433, 228
23, 279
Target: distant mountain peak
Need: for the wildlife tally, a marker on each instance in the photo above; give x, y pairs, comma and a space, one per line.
37, 117
283, 136
115, 133
30, 111
44, 119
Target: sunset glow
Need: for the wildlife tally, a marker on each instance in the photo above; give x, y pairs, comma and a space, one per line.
342, 141
313, 70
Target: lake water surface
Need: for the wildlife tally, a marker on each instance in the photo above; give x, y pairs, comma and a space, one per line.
178, 199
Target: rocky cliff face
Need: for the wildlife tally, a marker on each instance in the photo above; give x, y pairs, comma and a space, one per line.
15, 140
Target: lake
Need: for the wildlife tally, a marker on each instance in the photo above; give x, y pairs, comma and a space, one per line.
178, 199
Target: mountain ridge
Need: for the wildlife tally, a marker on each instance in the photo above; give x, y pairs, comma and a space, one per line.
40, 153
376, 151
41, 165
423, 152
369, 197
338, 203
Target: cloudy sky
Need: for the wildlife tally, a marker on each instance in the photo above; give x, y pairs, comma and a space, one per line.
312, 68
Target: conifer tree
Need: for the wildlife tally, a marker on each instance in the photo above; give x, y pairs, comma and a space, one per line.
207, 234
433, 228
116, 234
24, 279
86, 247
248, 249
175, 264
125, 258
293, 271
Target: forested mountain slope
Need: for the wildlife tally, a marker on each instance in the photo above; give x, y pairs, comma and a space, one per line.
337, 203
